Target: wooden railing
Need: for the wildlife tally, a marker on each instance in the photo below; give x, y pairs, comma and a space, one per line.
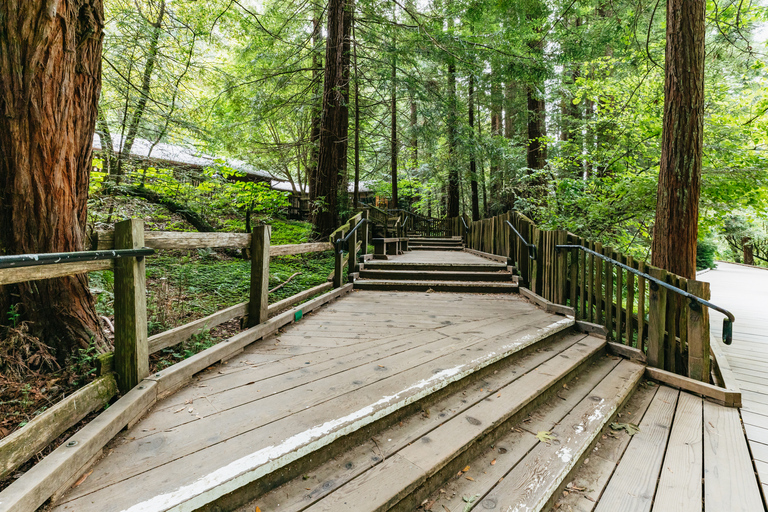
671, 330
422, 225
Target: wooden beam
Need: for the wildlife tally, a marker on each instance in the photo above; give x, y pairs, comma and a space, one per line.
657, 317
725, 397
698, 333
131, 345
38, 272
22, 445
258, 305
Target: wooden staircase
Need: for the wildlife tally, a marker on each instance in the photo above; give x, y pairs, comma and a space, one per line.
438, 277
507, 437
436, 244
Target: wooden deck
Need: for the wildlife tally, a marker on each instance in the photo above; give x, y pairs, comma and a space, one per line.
321, 385
349, 364
744, 291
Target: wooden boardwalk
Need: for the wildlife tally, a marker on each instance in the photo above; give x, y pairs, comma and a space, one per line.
351, 362
744, 291
376, 387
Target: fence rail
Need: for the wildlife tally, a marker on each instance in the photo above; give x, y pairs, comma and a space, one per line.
597, 283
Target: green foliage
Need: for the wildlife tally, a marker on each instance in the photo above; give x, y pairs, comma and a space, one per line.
705, 254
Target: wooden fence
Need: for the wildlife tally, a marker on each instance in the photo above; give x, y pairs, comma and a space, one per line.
671, 330
130, 360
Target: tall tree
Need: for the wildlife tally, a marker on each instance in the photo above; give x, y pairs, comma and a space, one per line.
335, 120
393, 111
472, 158
317, 80
50, 78
677, 212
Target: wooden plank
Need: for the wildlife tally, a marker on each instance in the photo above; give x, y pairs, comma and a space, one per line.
729, 480
131, 360
629, 333
38, 272
633, 485
598, 287
679, 486
183, 332
682, 330
288, 250
619, 297
258, 303
657, 319
531, 483
609, 270
595, 472
670, 341
641, 330
591, 285
698, 333
583, 315
723, 396
20, 446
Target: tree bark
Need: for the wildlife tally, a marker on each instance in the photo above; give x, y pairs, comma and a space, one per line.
393, 112
677, 212
748, 250
50, 79
317, 110
335, 120
453, 170
472, 162
356, 200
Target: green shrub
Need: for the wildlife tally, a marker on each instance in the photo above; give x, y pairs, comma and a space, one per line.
705, 254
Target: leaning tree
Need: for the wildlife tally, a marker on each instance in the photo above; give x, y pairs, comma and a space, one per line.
677, 212
50, 79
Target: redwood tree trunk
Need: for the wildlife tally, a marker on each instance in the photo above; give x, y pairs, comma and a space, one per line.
317, 79
472, 161
50, 79
335, 119
677, 211
453, 170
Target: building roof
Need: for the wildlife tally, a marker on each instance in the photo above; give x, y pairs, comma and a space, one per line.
176, 154
285, 186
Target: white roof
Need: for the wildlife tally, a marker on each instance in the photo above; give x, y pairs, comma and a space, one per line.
286, 186
179, 154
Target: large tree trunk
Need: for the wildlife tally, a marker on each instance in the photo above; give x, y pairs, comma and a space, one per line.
356, 201
335, 120
453, 169
472, 161
50, 79
677, 211
537, 147
317, 110
393, 112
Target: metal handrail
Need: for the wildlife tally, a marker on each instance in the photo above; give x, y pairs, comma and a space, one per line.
727, 322
531, 247
339, 243
31, 260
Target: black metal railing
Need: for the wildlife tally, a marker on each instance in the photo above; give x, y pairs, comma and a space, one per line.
727, 322
531, 247
341, 243
31, 260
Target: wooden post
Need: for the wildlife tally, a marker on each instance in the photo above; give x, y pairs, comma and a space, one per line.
259, 302
365, 237
698, 333
657, 318
338, 267
561, 238
641, 331
131, 347
609, 293
600, 305
352, 264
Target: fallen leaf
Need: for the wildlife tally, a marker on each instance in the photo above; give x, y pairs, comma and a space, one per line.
493, 462
469, 478
82, 478
465, 469
545, 436
257, 509
630, 428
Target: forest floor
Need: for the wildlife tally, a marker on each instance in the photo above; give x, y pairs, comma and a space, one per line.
182, 286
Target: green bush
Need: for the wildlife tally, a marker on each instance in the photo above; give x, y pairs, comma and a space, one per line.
705, 254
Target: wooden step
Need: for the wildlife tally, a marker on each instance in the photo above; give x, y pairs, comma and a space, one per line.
444, 267
277, 434
436, 243
417, 275
435, 248
436, 286
427, 461
323, 479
